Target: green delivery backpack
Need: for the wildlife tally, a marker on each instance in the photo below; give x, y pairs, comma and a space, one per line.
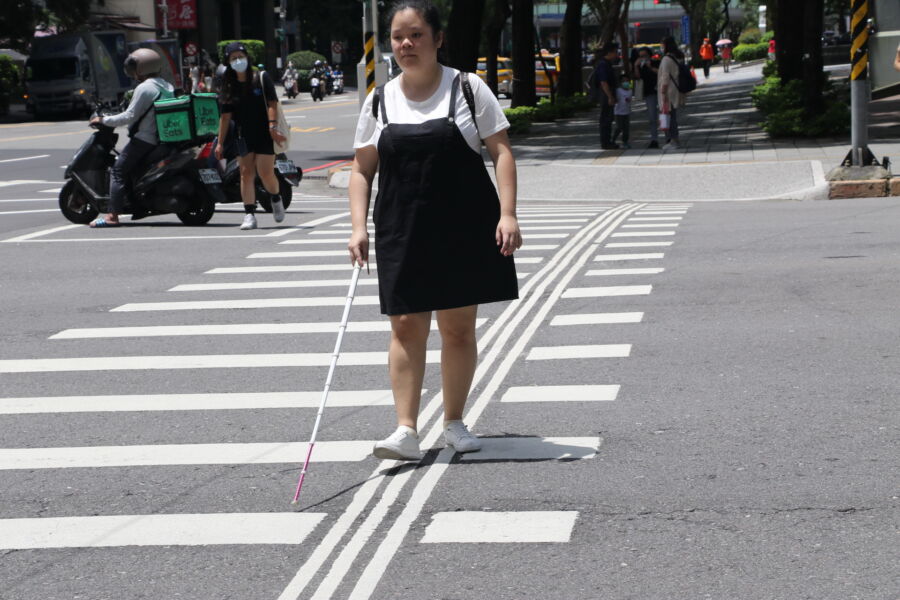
187, 117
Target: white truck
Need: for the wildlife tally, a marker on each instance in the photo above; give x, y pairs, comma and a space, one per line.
67, 73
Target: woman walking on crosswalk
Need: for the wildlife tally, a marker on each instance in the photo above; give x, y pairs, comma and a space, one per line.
444, 238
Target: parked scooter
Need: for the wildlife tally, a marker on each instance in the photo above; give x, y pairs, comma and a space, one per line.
288, 174
317, 88
170, 180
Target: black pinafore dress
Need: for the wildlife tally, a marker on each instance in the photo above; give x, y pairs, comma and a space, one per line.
435, 217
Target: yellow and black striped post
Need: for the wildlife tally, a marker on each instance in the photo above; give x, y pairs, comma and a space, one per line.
859, 49
370, 61
859, 154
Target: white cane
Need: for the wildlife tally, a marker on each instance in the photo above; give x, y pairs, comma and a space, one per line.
334, 358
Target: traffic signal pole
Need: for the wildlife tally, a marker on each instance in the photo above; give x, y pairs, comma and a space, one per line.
859, 155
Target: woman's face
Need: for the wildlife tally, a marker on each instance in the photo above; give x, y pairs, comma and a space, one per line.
413, 41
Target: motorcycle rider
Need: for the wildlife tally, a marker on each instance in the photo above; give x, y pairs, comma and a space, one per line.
143, 65
290, 80
319, 72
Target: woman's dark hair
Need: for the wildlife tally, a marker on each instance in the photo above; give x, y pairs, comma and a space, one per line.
670, 46
426, 10
230, 84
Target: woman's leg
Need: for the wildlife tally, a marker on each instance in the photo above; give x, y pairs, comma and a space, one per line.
265, 167
406, 364
247, 164
673, 125
459, 355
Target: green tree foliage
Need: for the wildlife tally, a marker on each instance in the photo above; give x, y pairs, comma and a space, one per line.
69, 15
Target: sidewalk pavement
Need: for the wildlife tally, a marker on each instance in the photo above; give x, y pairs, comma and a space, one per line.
724, 154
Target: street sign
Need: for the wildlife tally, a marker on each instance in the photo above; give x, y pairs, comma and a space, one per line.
190, 49
686, 30
337, 48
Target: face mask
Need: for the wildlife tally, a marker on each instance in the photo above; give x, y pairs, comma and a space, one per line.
239, 64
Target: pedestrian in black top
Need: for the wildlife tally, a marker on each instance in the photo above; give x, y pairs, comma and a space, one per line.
606, 82
647, 69
445, 240
250, 99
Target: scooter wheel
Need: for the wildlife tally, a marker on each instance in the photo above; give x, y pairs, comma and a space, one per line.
199, 215
75, 205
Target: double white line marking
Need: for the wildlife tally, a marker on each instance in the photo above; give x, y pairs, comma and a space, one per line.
573, 256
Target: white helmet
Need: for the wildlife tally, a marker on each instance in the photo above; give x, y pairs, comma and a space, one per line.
143, 63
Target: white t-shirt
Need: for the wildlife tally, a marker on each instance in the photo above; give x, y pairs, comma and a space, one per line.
488, 114
623, 102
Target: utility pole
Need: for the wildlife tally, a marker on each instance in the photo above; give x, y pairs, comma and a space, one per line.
859, 155
164, 11
283, 40
371, 70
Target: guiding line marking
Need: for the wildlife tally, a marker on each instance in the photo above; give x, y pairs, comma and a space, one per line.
597, 319
581, 351
473, 527
157, 530
642, 234
561, 393
41, 233
28, 212
229, 329
645, 225
286, 268
615, 257
224, 401
199, 361
9, 160
264, 285
248, 303
608, 291
83, 457
566, 264
655, 219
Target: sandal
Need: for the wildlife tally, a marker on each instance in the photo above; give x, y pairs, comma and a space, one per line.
102, 222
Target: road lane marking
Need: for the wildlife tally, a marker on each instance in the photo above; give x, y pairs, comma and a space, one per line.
308, 224
306, 254
90, 457
529, 221
41, 233
157, 530
625, 234
28, 212
166, 402
247, 303
537, 247
616, 257
197, 361
9, 160
561, 393
267, 285
286, 268
549, 227
614, 272
655, 219
39, 137
534, 448
608, 291
637, 244
597, 319
530, 294
568, 263
493, 527
646, 225
648, 213
580, 351
12, 201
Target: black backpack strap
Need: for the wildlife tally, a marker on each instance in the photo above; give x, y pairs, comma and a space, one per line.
468, 94
376, 101
133, 128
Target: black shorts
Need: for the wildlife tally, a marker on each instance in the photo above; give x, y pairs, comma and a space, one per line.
255, 145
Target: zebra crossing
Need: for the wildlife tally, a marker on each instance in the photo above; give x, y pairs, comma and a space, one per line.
574, 250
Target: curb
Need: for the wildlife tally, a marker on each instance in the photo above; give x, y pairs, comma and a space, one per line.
872, 188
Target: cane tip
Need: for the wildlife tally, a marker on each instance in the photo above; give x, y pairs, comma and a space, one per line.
295, 502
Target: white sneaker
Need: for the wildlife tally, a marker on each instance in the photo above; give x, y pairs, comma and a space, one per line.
249, 221
277, 209
403, 444
457, 435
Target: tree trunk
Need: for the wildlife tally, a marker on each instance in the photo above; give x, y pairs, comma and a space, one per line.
523, 53
570, 50
812, 63
493, 30
610, 24
788, 44
464, 34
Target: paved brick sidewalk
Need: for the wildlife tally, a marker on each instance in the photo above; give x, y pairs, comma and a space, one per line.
720, 126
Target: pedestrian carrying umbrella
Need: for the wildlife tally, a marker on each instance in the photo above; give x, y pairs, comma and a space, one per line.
724, 42
334, 358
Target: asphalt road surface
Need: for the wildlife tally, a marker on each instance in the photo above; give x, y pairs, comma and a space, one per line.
689, 400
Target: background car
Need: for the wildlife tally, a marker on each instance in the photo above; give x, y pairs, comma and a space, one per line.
504, 74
